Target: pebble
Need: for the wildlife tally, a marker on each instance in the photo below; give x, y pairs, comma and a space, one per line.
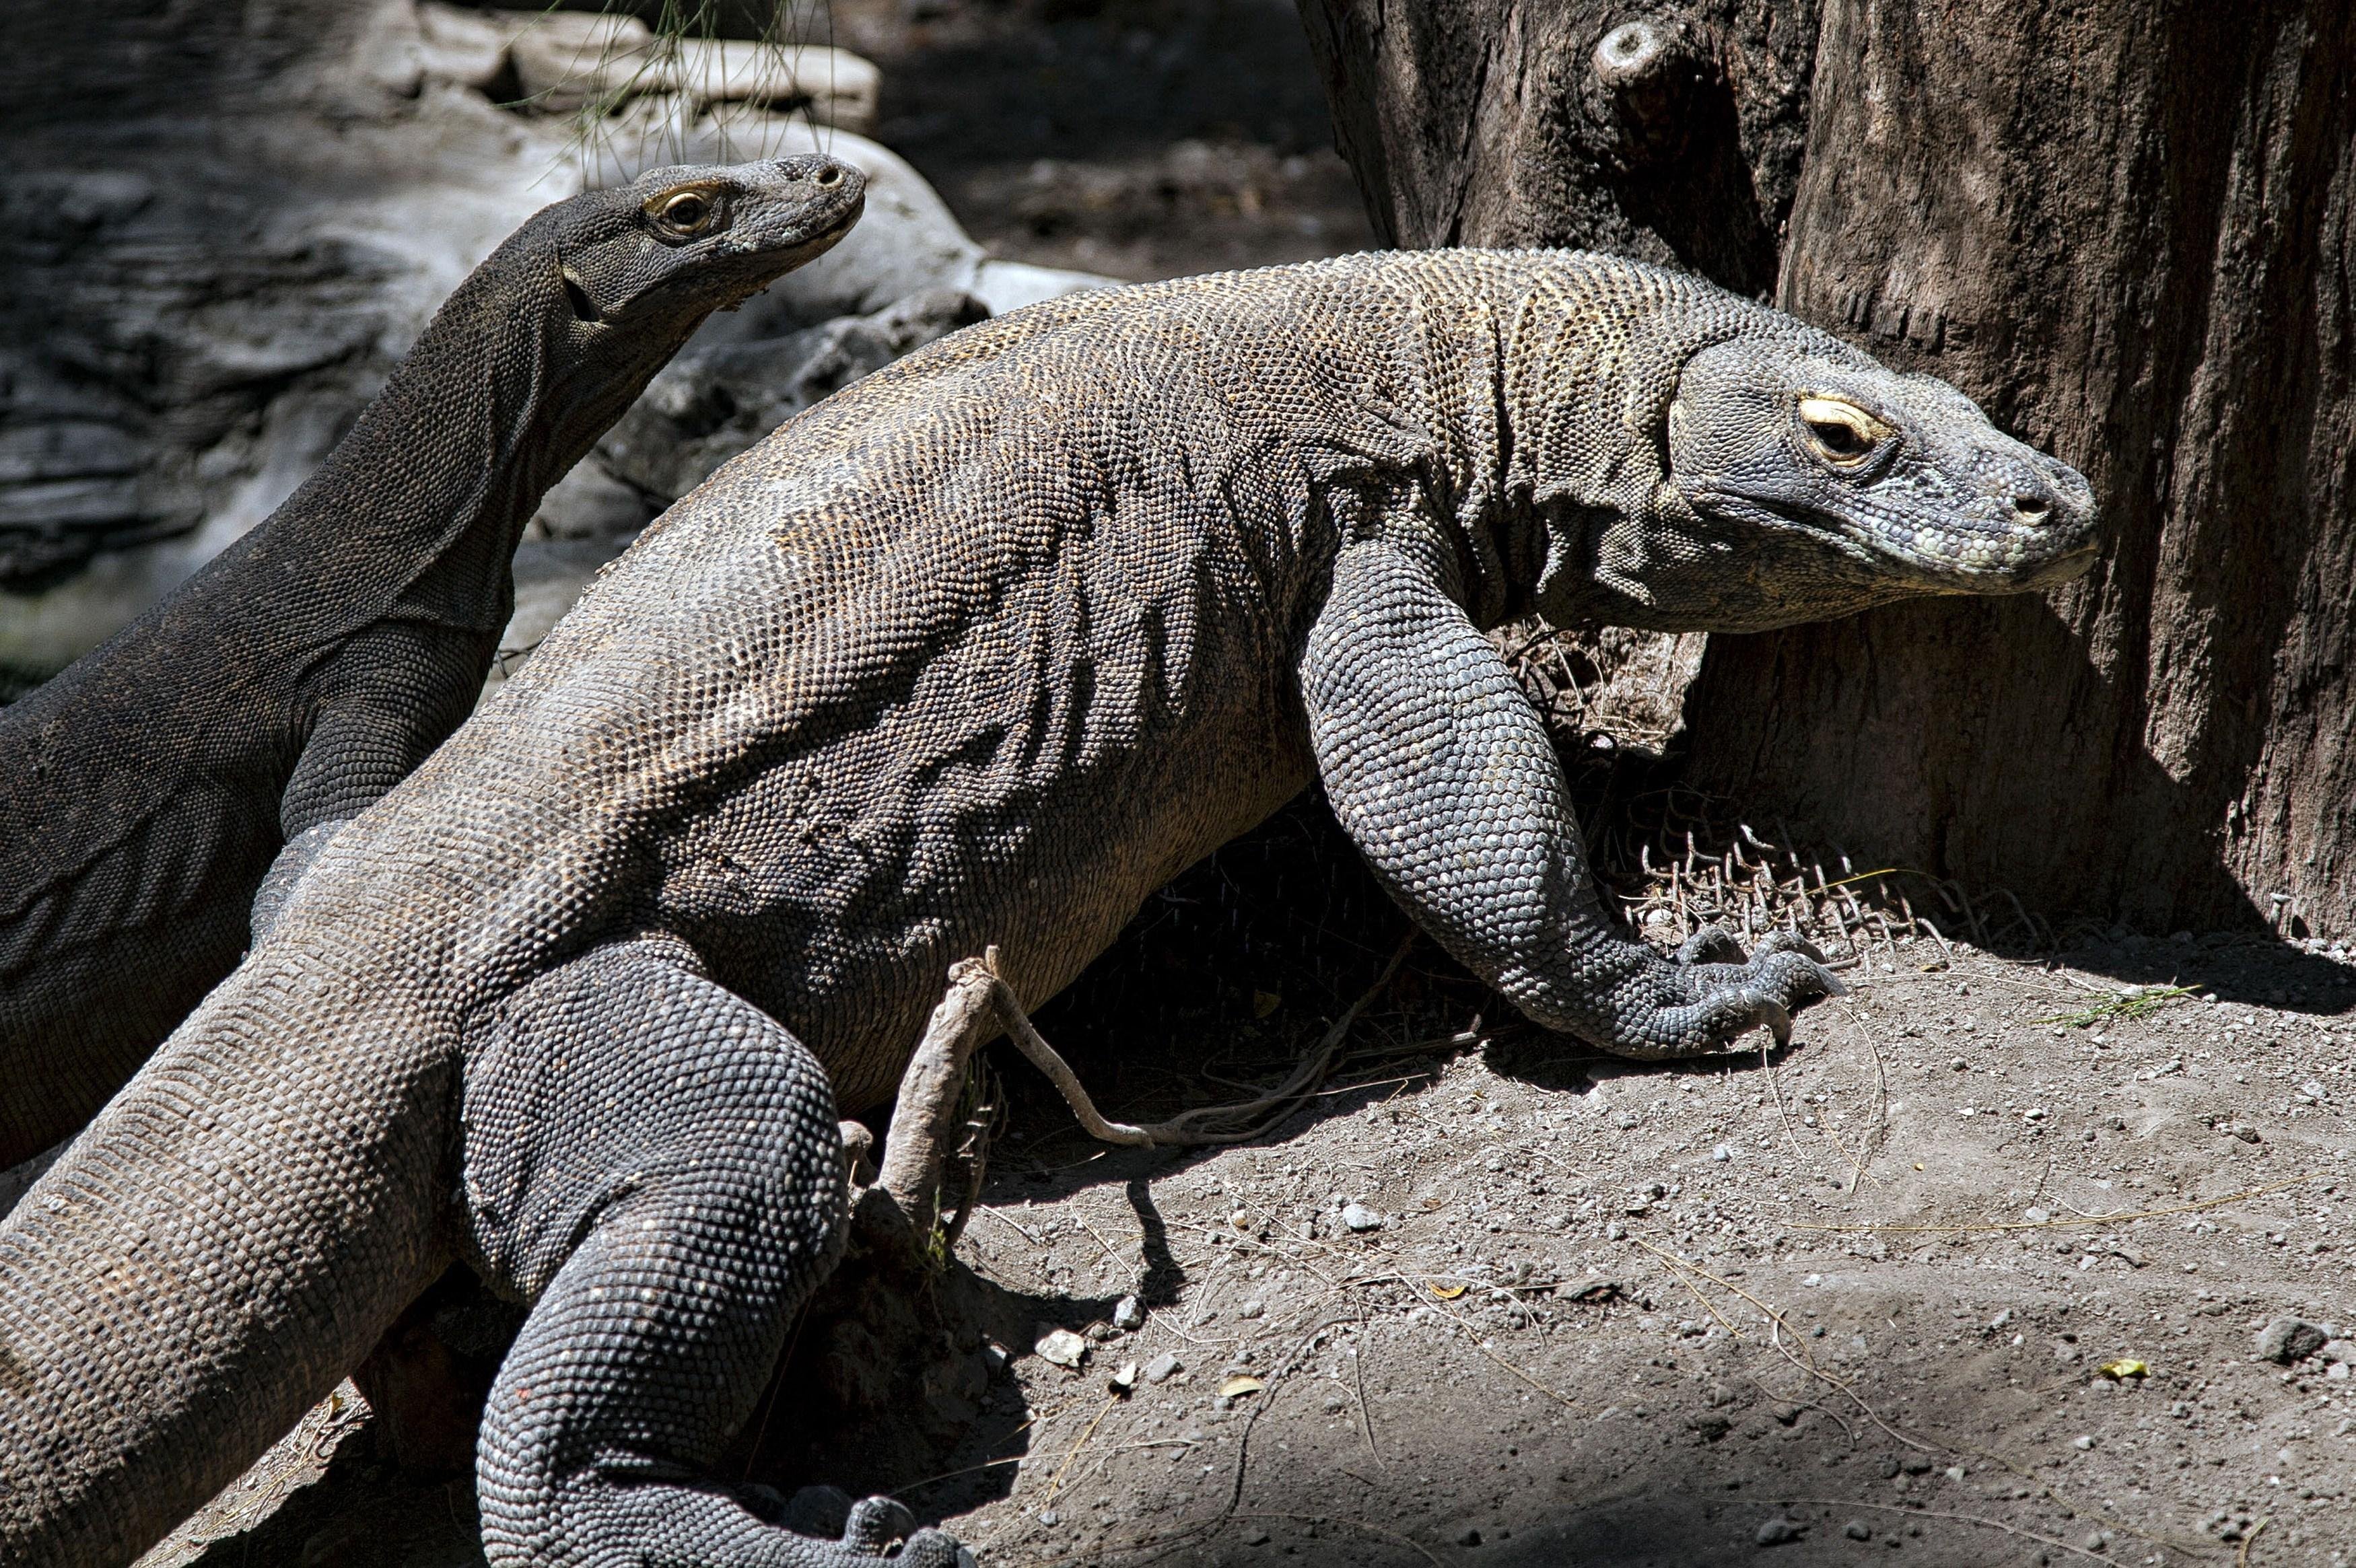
2081, 1444
1251, 1310
1051, 1519
1335, 1404
1062, 1347
1360, 1218
1468, 1536
1857, 1529
2288, 1339
1779, 1532
1123, 1378
1128, 1314
1163, 1367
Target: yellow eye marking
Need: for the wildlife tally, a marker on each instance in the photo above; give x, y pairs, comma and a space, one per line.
1839, 432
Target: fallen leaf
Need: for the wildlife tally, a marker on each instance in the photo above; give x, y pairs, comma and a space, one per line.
1235, 1387
1265, 1003
1448, 1292
2123, 1369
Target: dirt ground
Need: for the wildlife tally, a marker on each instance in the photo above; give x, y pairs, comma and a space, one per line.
1862, 1294
1972, 1273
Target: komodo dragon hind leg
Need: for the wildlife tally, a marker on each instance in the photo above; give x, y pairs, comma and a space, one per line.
656, 1165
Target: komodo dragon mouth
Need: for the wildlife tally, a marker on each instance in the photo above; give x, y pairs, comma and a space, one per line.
1960, 557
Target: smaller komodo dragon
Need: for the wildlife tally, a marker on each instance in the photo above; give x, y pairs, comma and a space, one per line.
982, 650
306, 670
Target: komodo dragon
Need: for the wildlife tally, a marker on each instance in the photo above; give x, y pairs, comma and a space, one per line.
144, 792
982, 650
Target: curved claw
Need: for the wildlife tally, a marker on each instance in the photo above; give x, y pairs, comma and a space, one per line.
1777, 1018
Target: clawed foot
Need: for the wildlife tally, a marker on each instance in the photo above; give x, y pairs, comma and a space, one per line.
866, 1530
1729, 994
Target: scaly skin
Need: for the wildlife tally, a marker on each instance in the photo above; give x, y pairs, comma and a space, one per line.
145, 791
980, 651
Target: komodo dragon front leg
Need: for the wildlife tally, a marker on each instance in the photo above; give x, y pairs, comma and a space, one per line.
1440, 772
656, 1165
405, 686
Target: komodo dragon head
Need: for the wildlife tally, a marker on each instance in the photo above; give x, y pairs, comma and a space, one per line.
675, 241
622, 276
1800, 479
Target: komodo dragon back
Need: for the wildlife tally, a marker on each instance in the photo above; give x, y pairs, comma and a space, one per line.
978, 652
145, 791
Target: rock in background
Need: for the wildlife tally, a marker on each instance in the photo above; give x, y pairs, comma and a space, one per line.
225, 224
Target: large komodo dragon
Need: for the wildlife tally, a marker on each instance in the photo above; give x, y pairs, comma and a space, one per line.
144, 792
982, 650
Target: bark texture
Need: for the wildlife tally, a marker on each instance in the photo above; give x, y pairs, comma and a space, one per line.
2128, 229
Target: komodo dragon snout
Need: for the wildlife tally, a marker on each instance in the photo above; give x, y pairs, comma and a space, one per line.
1875, 475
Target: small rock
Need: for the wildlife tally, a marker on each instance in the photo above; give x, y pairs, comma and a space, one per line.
1722, 1153
1128, 1314
1335, 1404
1051, 1519
1251, 1310
1468, 1536
1163, 1367
1857, 1529
1255, 1537
1124, 1378
1062, 1347
2288, 1340
2081, 1444
1779, 1532
1360, 1218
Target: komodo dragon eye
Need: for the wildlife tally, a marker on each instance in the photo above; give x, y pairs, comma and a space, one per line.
1840, 432
682, 212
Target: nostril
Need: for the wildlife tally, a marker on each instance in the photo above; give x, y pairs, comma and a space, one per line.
830, 174
2032, 508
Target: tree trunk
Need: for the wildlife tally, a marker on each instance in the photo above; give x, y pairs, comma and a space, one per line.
2128, 230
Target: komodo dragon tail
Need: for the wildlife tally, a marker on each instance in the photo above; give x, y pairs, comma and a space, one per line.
231, 1237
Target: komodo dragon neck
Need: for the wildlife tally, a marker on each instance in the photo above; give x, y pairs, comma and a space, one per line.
144, 792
